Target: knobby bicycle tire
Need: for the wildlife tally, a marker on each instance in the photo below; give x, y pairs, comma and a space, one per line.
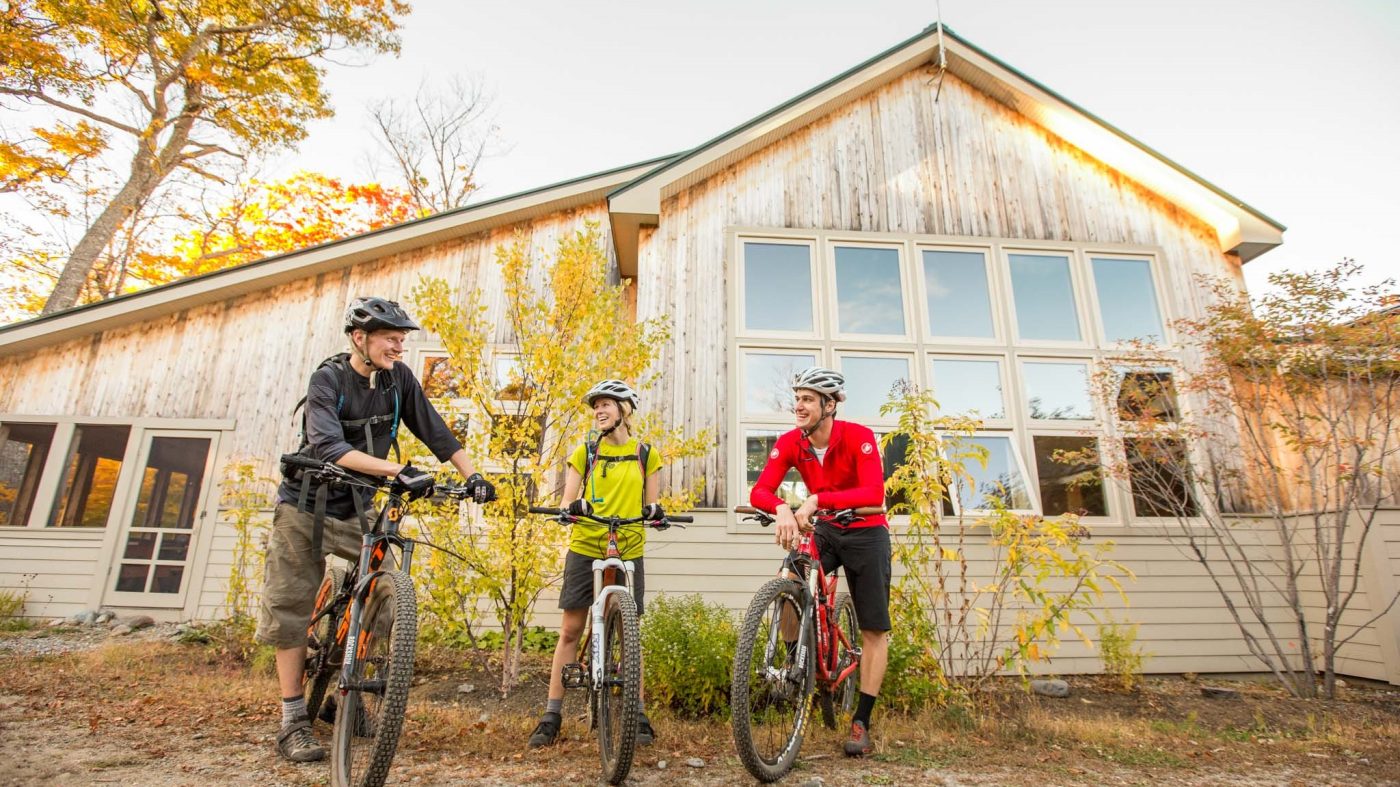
363, 746
619, 703
321, 659
761, 767
847, 690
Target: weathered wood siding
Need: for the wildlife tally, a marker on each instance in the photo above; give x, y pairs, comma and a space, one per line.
893, 162
245, 359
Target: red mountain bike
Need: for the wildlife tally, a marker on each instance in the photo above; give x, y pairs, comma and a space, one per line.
798, 647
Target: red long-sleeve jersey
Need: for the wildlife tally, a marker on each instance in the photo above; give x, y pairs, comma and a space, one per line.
850, 475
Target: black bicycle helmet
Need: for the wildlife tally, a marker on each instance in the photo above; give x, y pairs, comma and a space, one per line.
372, 314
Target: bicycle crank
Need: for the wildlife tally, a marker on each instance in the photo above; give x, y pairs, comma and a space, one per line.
575, 676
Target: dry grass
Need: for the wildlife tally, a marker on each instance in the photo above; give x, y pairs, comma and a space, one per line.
148, 693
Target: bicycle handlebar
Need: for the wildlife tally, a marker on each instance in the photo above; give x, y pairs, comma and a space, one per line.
845, 515
560, 512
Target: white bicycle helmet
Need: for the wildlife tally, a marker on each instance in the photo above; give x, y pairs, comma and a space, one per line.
826, 382
613, 389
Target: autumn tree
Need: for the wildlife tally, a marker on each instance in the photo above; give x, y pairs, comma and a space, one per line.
524, 416
1272, 454
184, 83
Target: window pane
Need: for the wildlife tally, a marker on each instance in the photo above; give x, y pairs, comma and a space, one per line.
1071, 481
1148, 395
869, 384
23, 450
1001, 479
777, 287
132, 577
1044, 296
140, 546
758, 444
964, 386
166, 579
439, 379
767, 378
955, 284
869, 291
892, 458
174, 546
170, 483
509, 382
90, 480
1157, 474
1127, 300
1058, 391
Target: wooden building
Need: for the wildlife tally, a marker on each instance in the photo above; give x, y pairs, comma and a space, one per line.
964, 227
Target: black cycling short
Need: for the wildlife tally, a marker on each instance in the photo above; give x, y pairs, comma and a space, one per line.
865, 554
577, 592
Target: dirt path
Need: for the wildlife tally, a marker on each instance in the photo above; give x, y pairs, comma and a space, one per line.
150, 712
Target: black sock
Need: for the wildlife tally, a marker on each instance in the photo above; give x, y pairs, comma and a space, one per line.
867, 704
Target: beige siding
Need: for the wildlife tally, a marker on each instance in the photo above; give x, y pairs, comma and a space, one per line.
54, 568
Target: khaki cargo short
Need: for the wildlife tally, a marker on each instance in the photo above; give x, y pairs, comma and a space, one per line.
292, 573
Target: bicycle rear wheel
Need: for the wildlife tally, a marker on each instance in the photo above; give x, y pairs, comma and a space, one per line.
620, 695
368, 721
841, 698
321, 652
771, 692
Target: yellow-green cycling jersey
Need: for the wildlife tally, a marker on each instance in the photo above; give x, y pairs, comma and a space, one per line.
614, 487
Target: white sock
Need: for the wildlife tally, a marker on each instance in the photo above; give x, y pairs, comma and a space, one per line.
293, 709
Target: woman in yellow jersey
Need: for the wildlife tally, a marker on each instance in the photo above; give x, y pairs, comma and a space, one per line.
612, 474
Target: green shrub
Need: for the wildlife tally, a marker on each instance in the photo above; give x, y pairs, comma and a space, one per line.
537, 639
688, 654
912, 679
12, 611
1122, 659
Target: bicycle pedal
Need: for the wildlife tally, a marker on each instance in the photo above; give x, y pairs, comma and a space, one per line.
574, 676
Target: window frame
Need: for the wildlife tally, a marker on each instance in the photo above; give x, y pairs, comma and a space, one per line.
1008, 419
911, 359
1006, 349
833, 296
1032, 482
999, 335
815, 269
1076, 288
1169, 338
1095, 419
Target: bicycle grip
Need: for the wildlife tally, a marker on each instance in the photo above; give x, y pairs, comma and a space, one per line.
679, 518
546, 511
297, 460
746, 510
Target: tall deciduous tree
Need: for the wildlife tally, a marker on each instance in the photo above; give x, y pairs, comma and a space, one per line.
184, 82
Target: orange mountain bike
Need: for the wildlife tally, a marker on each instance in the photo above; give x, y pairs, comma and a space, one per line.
798, 646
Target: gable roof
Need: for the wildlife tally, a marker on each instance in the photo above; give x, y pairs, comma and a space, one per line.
283, 268
1239, 227
634, 192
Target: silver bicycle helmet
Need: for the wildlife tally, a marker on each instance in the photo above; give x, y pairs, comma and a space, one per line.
826, 382
613, 389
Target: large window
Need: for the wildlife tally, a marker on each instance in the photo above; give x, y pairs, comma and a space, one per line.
1011, 334
90, 478
24, 448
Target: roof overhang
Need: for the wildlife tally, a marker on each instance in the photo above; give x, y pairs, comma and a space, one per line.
273, 271
1239, 228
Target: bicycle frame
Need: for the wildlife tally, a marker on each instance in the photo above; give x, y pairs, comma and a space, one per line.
829, 636
374, 547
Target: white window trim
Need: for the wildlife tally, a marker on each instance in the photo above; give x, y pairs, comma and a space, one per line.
1077, 293
994, 294
815, 270
1006, 348
832, 301
1169, 338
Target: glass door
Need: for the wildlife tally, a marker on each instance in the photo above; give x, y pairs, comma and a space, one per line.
152, 558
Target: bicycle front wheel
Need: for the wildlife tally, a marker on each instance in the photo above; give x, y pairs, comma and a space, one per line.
369, 717
620, 695
772, 686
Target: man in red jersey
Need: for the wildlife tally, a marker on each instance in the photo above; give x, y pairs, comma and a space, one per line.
839, 462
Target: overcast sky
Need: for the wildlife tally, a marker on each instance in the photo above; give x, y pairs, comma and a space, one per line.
1293, 107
